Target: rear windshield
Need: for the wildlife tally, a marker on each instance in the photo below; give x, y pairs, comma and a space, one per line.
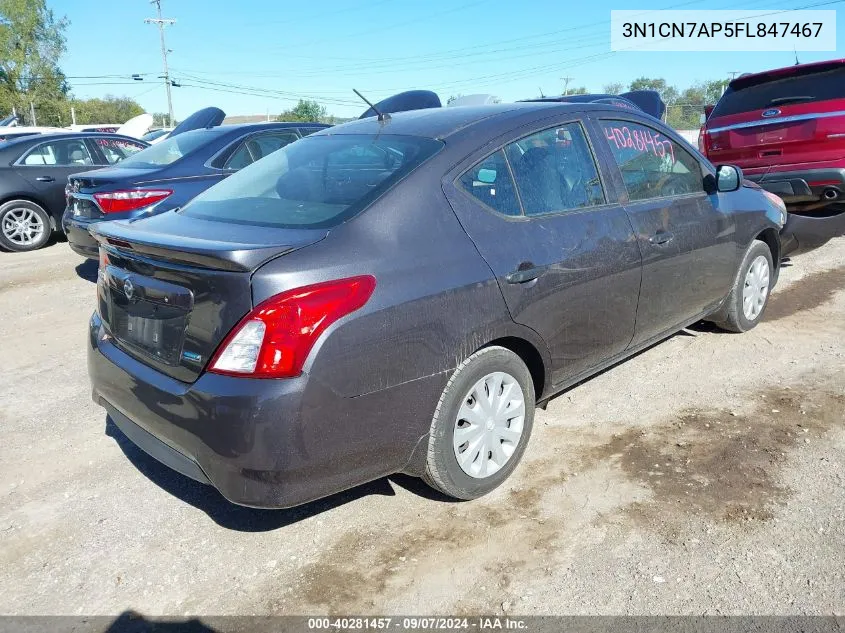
805, 88
316, 182
169, 150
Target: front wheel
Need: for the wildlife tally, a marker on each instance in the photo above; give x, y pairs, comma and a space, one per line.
749, 296
481, 425
24, 226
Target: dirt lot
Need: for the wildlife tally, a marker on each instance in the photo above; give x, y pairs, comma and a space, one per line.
705, 475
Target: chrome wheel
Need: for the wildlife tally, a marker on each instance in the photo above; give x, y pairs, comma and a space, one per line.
756, 289
22, 226
489, 425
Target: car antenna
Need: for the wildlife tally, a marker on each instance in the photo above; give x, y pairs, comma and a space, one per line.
383, 117
542, 96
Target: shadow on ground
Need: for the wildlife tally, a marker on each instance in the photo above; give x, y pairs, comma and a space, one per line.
87, 270
242, 519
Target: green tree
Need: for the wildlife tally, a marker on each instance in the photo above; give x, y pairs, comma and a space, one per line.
305, 110
109, 109
32, 40
614, 88
581, 90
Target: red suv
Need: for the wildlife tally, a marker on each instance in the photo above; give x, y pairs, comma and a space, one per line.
786, 129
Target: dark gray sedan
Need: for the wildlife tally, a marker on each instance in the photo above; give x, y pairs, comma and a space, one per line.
399, 295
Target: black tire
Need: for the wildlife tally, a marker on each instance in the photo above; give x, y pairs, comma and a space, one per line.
443, 471
731, 317
15, 206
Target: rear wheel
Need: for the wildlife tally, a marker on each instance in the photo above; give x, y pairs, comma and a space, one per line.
749, 297
481, 425
24, 226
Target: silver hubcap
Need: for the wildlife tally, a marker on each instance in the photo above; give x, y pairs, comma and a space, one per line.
489, 425
756, 288
22, 226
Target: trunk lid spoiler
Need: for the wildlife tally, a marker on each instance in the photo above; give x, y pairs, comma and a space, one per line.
203, 243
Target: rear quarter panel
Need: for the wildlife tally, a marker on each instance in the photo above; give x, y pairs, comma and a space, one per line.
375, 377
435, 303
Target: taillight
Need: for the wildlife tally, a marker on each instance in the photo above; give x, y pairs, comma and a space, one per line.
104, 259
274, 339
129, 200
702, 144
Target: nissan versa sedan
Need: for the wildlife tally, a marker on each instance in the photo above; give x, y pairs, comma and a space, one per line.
398, 294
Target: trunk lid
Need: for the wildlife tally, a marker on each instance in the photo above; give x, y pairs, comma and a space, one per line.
173, 287
789, 116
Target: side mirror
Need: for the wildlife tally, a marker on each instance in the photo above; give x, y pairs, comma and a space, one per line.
728, 178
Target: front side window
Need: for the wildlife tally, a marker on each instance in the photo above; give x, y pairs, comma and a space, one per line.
555, 171
490, 183
317, 182
69, 152
652, 165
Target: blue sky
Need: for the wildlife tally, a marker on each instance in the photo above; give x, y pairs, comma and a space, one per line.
510, 49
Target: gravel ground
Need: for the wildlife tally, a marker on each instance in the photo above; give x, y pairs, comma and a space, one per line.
703, 476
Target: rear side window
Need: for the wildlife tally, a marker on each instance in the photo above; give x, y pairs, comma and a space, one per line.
652, 165
305, 131
70, 152
170, 150
555, 171
807, 87
317, 182
259, 146
490, 183
116, 149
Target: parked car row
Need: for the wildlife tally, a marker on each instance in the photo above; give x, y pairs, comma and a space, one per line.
45, 184
34, 171
285, 310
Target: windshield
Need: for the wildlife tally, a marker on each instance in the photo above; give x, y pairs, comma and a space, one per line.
169, 150
803, 88
316, 182
151, 136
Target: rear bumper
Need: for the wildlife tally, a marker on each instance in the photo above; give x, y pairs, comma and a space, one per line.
76, 229
801, 185
261, 443
804, 233
78, 237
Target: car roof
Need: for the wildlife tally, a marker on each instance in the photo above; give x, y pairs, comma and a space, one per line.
750, 79
440, 123
15, 146
40, 138
269, 125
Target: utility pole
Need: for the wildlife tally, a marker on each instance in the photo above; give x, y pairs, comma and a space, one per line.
734, 73
161, 23
32, 113
566, 81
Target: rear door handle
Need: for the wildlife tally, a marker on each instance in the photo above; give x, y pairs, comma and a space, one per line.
45, 179
661, 237
525, 274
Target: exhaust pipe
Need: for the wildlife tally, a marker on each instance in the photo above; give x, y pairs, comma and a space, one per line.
831, 193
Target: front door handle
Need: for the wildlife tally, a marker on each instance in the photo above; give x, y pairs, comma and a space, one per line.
661, 237
45, 179
520, 276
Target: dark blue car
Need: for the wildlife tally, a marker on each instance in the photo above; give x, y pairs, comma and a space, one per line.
167, 175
